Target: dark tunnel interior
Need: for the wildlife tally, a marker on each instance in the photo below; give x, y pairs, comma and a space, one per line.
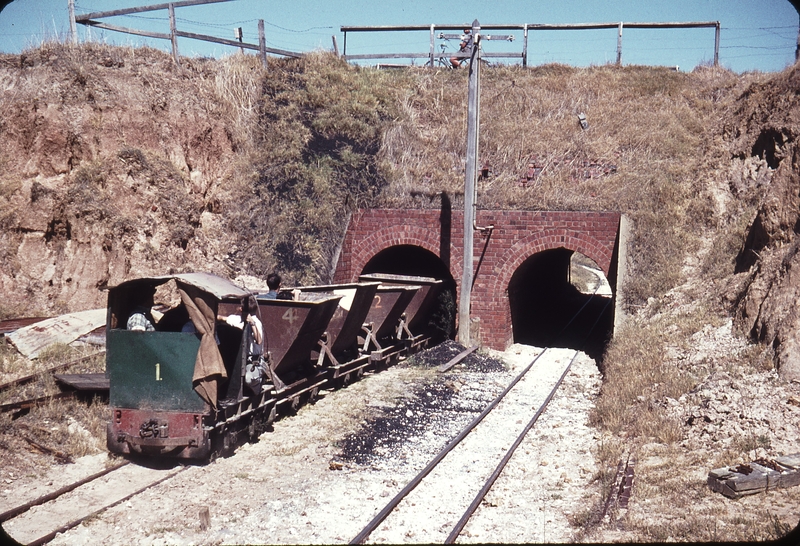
547, 310
417, 261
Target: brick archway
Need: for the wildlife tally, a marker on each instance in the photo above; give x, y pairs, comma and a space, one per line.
496, 305
547, 240
516, 236
388, 237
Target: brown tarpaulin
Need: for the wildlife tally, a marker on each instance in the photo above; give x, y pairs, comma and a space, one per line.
209, 369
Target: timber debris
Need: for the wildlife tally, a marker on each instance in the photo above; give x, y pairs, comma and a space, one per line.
756, 477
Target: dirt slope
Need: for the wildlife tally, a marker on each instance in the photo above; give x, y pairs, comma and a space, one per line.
766, 125
116, 163
108, 157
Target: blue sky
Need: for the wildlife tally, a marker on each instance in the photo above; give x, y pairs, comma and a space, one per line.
755, 34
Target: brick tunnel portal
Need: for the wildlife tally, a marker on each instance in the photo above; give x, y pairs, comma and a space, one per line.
553, 302
527, 255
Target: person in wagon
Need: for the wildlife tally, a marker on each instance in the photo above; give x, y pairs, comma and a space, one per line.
141, 319
273, 283
248, 315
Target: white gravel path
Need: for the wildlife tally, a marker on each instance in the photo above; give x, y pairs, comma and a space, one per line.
288, 488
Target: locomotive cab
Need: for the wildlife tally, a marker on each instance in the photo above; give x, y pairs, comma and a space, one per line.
167, 370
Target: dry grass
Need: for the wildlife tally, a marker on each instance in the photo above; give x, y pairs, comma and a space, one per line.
675, 504
323, 138
637, 378
70, 428
314, 138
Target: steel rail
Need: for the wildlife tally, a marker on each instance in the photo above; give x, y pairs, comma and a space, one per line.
21, 509
383, 514
497, 471
31, 377
31, 402
456, 359
501, 466
50, 536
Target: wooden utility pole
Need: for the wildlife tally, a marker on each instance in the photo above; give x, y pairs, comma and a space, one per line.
470, 181
796, 4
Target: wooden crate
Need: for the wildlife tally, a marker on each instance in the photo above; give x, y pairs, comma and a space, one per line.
756, 477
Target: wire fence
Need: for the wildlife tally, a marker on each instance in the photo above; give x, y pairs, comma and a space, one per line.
433, 57
530, 42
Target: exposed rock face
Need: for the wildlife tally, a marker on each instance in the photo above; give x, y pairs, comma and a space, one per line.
768, 124
123, 155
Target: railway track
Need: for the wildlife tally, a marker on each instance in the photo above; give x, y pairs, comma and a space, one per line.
426, 512
39, 520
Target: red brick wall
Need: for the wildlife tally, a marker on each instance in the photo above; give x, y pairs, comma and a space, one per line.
516, 236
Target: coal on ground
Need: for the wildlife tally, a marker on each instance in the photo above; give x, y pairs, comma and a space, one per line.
435, 410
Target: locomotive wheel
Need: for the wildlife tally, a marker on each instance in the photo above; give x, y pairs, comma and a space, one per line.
217, 445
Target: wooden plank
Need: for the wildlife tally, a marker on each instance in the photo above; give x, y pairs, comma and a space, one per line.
29, 378
33, 339
533, 26
747, 482
721, 473
792, 461
789, 479
599, 26
388, 56
126, 30
142, 9
456, 359
84, 381
762, 476
773, 477
236, 43
427, 27
722, 487
26, 404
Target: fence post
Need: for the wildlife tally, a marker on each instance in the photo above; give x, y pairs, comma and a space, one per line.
262, 43
172, 34
525, 45
335, 46
716, 45
619, 44
433, 44
73, 29
237, 32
